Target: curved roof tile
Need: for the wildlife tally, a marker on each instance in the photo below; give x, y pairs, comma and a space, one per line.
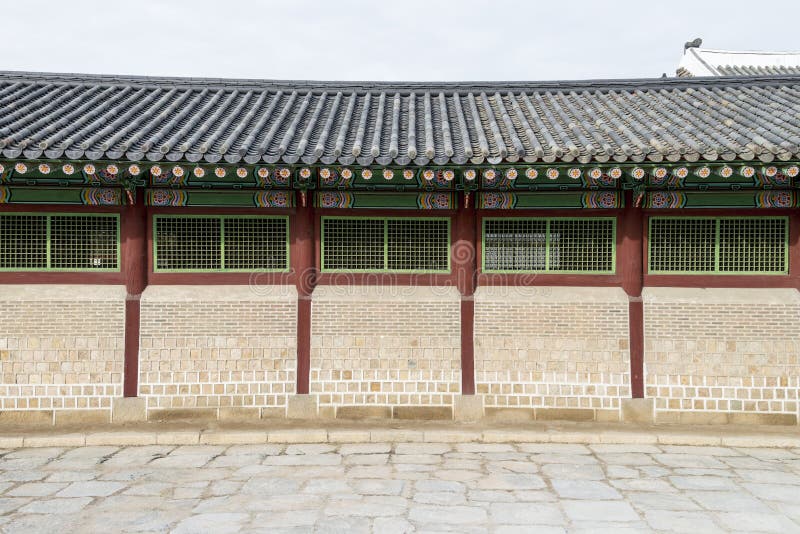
97, 117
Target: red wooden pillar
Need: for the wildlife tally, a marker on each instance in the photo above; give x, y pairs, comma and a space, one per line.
133, 233
630, 263
794, 247
464, 264
304, 271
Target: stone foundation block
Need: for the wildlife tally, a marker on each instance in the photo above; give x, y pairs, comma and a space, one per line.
564, 414
364, 412
239, 414
422, 412
81, 417
26, 417
510, 415
273, 413
54, 440
302, 407
187, 414
638, 411
128, 410
468, 408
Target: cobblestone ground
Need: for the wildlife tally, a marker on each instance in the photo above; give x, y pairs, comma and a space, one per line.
403, 487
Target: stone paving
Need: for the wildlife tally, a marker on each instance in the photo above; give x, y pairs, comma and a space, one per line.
400, 487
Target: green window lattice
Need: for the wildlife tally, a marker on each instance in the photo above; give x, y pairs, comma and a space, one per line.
718, 245
555, 245
220, 243
391, 244
59, 242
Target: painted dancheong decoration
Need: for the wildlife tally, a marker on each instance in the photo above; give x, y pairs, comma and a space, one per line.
561, 247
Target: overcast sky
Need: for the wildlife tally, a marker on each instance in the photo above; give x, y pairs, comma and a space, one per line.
372, 40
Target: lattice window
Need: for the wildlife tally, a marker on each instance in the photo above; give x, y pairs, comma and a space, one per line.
220, 243
385, 244
59, 242
557, 245
718, 245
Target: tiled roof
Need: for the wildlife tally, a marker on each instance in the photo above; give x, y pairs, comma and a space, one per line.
136, 118
708, 62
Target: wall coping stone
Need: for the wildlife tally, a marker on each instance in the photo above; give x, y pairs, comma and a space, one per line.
219, 293
692, 295
550, 294
62, 292
385, 293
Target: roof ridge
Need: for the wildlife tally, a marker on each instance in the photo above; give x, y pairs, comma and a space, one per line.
448, 87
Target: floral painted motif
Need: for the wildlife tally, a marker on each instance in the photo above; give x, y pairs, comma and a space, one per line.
601, 200
272, 199
166, 197
666, 199
496, 201
435, 201
101, 196
335, 199
775, 199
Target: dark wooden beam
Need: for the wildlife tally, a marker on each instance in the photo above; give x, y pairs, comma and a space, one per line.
133, 232
464, 257
303, 269
630, 266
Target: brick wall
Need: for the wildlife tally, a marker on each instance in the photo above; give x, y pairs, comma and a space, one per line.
218, 346
61, 346
552, 347
722, 350
382, 345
